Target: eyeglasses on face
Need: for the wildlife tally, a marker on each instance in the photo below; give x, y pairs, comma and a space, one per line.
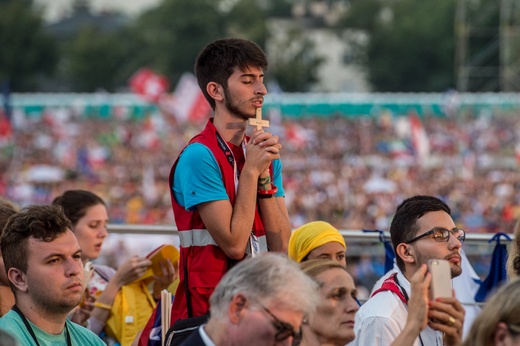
441, 234
283, 329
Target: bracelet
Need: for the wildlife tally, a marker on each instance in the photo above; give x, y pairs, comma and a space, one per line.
267, 193
102, 305
263, 182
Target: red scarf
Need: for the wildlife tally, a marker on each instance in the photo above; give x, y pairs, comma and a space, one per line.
391, 285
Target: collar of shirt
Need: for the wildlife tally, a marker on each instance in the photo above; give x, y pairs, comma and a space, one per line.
205, 337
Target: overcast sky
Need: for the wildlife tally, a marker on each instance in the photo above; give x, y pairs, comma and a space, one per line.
56, 9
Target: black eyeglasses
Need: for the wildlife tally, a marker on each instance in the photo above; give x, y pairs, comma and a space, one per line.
441, 234
284, 329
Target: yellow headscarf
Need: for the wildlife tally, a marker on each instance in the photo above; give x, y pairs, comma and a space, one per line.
310, 236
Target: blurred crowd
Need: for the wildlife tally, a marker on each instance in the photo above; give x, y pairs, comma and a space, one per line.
349, 171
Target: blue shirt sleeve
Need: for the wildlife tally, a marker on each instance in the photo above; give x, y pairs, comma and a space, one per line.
277, 178
197, 178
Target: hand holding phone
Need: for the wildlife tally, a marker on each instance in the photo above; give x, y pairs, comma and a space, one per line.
440, 285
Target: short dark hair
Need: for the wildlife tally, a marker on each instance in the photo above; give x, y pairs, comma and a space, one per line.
42, 222
404, 224
76, 202
217, 60
6, 212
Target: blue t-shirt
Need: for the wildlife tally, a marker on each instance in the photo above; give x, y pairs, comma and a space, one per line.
79, 335
198, 178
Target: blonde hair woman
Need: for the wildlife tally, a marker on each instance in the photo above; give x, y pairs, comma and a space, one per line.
333, 321
499, 322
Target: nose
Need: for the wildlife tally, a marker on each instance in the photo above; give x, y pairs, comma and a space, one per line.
103, 233
73, 267
260, 88
351, 305
454, 243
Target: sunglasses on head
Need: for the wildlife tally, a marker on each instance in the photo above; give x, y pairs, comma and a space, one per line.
283, 329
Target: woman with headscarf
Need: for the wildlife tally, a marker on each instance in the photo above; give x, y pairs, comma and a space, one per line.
320, 240
317, 240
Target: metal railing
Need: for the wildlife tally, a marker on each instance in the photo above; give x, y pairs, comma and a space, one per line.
348, 234
351, 237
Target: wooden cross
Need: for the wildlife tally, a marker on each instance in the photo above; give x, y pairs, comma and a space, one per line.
258, 122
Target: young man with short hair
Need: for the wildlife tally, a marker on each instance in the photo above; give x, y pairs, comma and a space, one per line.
422, 229
226, 188
43, 262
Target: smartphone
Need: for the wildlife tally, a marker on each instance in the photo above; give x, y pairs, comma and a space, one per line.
440, 286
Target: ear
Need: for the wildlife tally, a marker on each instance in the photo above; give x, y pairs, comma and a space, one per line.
18, 279
215, 91
237, 307
406, 252
501, 333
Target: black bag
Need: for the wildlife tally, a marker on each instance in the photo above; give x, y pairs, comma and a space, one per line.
183, 328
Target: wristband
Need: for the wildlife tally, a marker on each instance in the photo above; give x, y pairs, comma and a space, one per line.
263, 182
102, 305
267, 193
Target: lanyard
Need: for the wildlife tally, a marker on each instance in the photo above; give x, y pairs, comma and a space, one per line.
254, 247
31, 331
230, 157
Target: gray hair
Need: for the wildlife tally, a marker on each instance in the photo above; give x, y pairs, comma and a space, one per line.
266, 279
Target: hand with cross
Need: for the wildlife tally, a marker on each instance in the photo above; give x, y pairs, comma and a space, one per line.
258, 121
266, 145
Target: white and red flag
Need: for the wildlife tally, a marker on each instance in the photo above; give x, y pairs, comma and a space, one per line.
148, 84
187, 103
419, 138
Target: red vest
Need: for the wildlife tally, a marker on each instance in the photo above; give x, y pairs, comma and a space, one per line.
205, 262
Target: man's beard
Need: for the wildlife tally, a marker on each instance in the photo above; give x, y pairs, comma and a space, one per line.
52, 305
455, 270
233, 107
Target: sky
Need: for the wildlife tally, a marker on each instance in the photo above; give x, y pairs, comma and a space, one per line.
56, 9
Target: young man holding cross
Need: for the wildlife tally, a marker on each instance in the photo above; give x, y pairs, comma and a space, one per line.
226, 188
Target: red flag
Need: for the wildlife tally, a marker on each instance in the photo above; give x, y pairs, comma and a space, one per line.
5, 127
149, 84
296, 135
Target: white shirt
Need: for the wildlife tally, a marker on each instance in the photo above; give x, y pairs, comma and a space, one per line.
465, 285
382, 318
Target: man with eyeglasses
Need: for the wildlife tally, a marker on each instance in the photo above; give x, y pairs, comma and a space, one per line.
261, 301
400, 312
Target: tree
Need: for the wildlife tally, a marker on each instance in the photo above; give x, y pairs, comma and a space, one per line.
173, 33
411, 46
27, 53
246, 19
97, 60
294, 61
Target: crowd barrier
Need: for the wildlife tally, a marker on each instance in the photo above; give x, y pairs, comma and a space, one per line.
359, 242
348, 234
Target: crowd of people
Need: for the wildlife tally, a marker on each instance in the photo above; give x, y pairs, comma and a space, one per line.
354, 169
256, 300
245, 277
